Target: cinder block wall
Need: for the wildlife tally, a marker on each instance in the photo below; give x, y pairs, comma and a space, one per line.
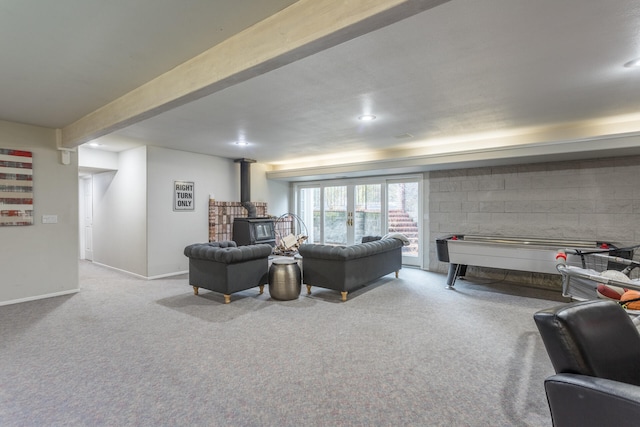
586, 200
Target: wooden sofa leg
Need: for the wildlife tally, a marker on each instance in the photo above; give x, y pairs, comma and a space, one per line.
308, 289
397, 272
195, 290
344, 296
227, 299
261, 289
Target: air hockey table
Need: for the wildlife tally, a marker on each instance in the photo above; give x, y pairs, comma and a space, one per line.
508, 253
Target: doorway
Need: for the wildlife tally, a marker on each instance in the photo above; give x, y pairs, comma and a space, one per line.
86, 217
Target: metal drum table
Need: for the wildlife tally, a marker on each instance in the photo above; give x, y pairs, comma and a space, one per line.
285, 279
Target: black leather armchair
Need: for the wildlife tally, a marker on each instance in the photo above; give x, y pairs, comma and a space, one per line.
594, 348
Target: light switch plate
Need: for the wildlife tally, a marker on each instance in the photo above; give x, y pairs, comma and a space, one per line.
49, 219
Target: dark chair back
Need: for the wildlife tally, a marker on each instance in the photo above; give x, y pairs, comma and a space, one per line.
595, 338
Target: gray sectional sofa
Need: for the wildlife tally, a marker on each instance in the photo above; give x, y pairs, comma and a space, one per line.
345, 268
226, 268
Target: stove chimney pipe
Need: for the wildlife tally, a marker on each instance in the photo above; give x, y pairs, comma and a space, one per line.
245, 186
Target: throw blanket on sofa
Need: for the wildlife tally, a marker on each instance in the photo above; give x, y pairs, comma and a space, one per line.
399, 236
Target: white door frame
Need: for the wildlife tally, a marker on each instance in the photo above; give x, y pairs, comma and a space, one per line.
86, 217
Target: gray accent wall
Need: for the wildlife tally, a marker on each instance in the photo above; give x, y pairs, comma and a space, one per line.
41, 259
587, 200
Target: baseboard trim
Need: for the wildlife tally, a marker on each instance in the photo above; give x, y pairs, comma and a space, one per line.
37, 297
140, 276
160, 276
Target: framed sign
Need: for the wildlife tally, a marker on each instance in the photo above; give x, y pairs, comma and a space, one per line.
183, 199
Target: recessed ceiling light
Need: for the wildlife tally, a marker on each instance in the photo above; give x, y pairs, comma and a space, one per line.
242, 143
633, 63
94, 144
367, 117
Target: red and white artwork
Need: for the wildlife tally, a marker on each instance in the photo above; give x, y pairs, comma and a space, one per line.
16, 187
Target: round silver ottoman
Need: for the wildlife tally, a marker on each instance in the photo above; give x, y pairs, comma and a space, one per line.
285, 279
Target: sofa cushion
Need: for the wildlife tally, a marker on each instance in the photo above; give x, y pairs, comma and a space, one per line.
227, 254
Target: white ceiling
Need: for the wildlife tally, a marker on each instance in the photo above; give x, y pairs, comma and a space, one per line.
463, 77
63, 59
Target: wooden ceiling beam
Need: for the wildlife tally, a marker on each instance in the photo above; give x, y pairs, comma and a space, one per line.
302, 29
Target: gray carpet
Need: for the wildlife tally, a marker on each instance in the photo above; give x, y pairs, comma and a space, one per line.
400, 352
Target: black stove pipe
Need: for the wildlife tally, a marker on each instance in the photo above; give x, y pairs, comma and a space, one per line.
245, 186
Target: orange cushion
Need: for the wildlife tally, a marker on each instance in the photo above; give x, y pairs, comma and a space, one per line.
631, 300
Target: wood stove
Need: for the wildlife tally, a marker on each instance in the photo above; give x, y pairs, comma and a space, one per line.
249, 231
253, 229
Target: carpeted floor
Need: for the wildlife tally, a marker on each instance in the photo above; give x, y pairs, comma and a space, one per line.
400, 352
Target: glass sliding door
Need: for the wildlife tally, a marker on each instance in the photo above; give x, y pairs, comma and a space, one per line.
350, 212
403, 216
367, 219
337, 216
342, 212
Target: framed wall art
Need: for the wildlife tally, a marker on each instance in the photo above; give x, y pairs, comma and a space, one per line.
16, 187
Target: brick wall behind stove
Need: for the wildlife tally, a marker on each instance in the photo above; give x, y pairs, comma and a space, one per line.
222, 214
586, 200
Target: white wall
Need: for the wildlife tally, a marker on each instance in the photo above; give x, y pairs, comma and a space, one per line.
135, 228
275, 193
120, 214
92, 158
170, 231
41, 260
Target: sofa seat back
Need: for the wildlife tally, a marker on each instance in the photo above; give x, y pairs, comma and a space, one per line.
345, 253
227, 252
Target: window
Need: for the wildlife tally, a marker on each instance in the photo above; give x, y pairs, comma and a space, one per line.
342, 212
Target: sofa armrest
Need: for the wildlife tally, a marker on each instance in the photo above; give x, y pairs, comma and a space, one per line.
192, 250
580, 400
